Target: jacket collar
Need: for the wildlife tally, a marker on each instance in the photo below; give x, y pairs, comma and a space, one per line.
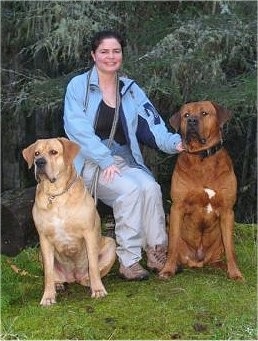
94, 80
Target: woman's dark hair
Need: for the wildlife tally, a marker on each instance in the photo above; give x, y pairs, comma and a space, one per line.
99, 36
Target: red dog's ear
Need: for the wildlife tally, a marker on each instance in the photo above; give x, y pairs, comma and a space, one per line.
28, 154
175, 120
224, 114
71, 149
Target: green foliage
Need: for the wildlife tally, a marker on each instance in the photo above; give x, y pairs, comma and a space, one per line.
197, 54
196, 304
54, 32
174, 59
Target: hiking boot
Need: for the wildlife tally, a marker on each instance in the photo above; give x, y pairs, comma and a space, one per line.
156, 257
134, 272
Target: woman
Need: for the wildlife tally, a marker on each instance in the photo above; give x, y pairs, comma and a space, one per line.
115, 163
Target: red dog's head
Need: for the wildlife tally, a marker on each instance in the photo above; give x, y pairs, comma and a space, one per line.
200, 123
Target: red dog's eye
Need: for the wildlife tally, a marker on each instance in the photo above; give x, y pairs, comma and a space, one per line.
36, 154
204, 113
186, 114
53, 152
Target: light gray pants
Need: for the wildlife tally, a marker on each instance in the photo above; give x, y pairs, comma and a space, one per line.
136, 200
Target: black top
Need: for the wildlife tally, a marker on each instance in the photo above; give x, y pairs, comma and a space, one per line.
104, 124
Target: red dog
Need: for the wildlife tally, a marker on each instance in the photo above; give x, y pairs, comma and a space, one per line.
203, 193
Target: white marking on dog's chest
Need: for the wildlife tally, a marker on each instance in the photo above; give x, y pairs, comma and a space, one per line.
60, 233
211, 193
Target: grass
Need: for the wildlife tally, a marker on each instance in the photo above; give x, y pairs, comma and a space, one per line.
198, 304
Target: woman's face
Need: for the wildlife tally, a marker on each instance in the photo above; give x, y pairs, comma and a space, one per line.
108, 56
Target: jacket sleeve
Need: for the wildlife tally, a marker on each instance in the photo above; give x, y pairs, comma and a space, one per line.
78, 126
151, 129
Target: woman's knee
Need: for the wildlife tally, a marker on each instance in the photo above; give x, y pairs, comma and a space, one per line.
151, 187
121, 191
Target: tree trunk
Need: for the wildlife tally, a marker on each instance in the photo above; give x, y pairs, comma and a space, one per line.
18, 230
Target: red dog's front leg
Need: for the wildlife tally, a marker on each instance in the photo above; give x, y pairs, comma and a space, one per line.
170, 266
227, 226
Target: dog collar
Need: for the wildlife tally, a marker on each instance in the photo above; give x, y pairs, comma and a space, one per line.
51, 197
210, 151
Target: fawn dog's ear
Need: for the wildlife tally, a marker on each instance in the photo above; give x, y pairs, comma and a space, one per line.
71, 149
28, 154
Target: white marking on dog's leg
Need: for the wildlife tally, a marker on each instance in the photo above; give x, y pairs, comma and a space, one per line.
209, 208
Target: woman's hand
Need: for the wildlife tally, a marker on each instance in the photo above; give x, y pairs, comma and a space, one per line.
180, 147
110, 172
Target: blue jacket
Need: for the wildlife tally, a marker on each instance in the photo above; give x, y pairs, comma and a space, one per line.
141, 121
